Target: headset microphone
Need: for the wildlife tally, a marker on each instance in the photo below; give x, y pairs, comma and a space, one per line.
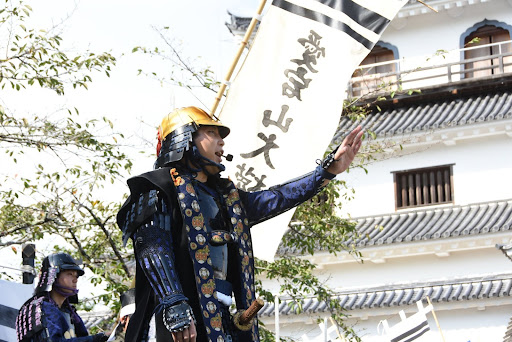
228, 157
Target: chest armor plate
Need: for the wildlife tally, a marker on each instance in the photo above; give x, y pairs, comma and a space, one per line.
214, 220
70, 333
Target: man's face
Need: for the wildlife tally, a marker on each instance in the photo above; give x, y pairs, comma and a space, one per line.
68, 278
210, 144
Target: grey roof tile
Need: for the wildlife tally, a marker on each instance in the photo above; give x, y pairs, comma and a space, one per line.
429, 224
350, 303
466, 291
370, 299
360, 301
505, 289
434, 114
454, 296
307, 304
476, 290
418, 294
445, 293
437, 223
343, 301
486, 290
397, 298
408, 294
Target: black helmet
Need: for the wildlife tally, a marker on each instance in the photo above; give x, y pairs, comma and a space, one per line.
52, 265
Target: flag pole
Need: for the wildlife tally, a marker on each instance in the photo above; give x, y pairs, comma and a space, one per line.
435, 318
243, 44
424, 4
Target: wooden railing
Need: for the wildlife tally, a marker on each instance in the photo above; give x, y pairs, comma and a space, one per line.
443, 67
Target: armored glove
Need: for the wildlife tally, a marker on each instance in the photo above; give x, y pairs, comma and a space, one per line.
178, 317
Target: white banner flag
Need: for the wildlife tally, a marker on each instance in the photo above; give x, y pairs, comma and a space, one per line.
410, 328
284, 105
12, 298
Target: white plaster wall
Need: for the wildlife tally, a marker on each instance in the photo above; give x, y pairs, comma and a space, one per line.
425, 34
457, 325
481, 173
414, 269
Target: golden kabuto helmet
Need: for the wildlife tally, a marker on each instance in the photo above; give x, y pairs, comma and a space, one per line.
175, 133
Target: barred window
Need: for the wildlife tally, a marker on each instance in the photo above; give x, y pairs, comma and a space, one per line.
426, 186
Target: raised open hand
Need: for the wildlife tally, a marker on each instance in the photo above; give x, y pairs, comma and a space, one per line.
346, 151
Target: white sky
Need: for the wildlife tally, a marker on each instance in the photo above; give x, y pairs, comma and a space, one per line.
116, 26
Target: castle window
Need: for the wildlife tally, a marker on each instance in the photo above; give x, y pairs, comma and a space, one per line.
421, 187
486, 57
369, 77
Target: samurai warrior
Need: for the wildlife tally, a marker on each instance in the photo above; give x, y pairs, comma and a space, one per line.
191, 231
49, 315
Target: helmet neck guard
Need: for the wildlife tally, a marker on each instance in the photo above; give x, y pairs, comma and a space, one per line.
175, 144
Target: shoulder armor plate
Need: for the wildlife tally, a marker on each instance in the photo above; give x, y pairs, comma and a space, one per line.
140, 211
30, 319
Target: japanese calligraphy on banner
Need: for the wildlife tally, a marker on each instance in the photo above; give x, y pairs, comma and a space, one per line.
285, 103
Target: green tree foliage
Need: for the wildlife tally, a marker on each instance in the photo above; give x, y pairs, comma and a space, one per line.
60, 199
315, 227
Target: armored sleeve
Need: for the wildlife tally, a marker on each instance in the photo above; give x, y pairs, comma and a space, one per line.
265, 204
154, 252
155, 255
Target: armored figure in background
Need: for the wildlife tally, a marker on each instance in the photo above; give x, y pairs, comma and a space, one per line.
126, 312
49, 315
191, 231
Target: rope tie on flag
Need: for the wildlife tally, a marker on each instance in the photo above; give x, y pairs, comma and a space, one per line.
258, 16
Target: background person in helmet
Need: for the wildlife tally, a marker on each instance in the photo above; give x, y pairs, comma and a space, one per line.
191, 231
49, 315
127, 309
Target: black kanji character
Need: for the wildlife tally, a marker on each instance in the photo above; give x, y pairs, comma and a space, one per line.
279, 123
297, 84
269, 144
312, 53
244, 181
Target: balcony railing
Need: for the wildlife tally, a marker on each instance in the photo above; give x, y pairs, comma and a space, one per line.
444, 67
